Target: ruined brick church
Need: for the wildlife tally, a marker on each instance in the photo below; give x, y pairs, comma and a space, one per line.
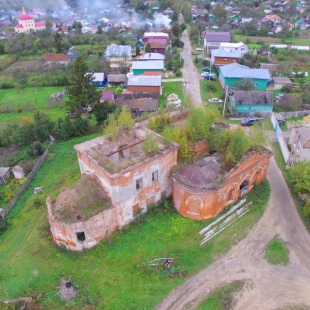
120, 181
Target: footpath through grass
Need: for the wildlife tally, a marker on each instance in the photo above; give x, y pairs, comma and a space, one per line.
276, 252
107, 276
223, 297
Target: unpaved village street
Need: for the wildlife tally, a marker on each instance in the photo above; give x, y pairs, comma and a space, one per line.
191, 77
268, 286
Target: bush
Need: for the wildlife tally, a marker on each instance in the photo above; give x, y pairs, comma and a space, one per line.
177, 72
210, 87
6, 86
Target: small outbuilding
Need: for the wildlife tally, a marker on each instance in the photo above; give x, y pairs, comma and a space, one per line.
18, 172
5, 174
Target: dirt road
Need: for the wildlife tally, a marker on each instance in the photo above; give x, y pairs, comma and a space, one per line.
191, 77
269, 286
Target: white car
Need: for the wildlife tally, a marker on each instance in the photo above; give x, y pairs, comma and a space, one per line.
203, 74
215, 100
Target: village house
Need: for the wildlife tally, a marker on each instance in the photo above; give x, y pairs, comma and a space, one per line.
56, 58
144, 84
27, 24
98, 78
140, 67
198, 193
248, 103
123, 179
158, 37
234, 47
106, 95
300, 144
221, 57
213, 39
116, 79
72, 53
280, 82
151, 56
232, 74
118, 55
275, 19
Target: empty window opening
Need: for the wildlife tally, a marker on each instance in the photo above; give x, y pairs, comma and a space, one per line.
155, 176
139, 184
80, 236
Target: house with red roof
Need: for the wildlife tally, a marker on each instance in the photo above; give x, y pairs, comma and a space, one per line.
56, 58
26, 24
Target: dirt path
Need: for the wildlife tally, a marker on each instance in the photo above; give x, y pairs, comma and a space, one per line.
191, 77
270, 286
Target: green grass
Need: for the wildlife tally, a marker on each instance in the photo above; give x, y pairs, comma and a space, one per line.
297, 41
169, 88
223, 297
17, 106
107, 275
206, 94
6, 60
276, 252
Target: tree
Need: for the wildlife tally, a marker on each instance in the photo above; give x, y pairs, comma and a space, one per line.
82, 93
258, 137
187, 12
176, 29
148, 48
138, 50
58, 42
238, 144
301, 177
102, 111
198, 125
125, 119
111, 127
220, 14
150, 144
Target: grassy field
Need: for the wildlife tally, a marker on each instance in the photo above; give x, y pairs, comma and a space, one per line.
276, 252
223, 297
19, 106
6, 60
168, 89
206, 94
107, 276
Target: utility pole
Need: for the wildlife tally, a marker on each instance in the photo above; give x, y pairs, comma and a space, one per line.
224, 105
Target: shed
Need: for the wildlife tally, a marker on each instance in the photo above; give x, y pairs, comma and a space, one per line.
279, 82
106, 95
5, 174
117, 79
18, 172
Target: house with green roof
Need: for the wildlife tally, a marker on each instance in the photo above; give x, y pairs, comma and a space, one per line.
232, 74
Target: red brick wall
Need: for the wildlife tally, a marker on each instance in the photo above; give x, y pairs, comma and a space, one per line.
204, 204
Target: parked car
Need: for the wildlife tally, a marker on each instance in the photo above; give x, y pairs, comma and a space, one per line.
206, 69
249, 121
210, 78
203, 74
281, 120
215, 100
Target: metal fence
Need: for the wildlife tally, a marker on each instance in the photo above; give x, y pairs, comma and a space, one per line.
280, 138
24, 186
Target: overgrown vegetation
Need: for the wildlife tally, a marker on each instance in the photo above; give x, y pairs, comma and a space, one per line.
223, 297
276, 252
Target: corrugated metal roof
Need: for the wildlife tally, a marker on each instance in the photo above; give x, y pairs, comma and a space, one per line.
152, 56
282, 80
151, 64
142, 80
253, 97
236, 70
97, 76
225, 53
155, 34
115, 50
217, 36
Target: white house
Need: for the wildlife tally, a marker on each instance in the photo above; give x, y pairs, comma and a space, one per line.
234, 47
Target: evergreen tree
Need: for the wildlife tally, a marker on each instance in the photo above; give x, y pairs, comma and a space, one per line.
148, 48
82, 94
58, 42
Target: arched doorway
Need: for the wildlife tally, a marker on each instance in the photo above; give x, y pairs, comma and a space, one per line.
244, 187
